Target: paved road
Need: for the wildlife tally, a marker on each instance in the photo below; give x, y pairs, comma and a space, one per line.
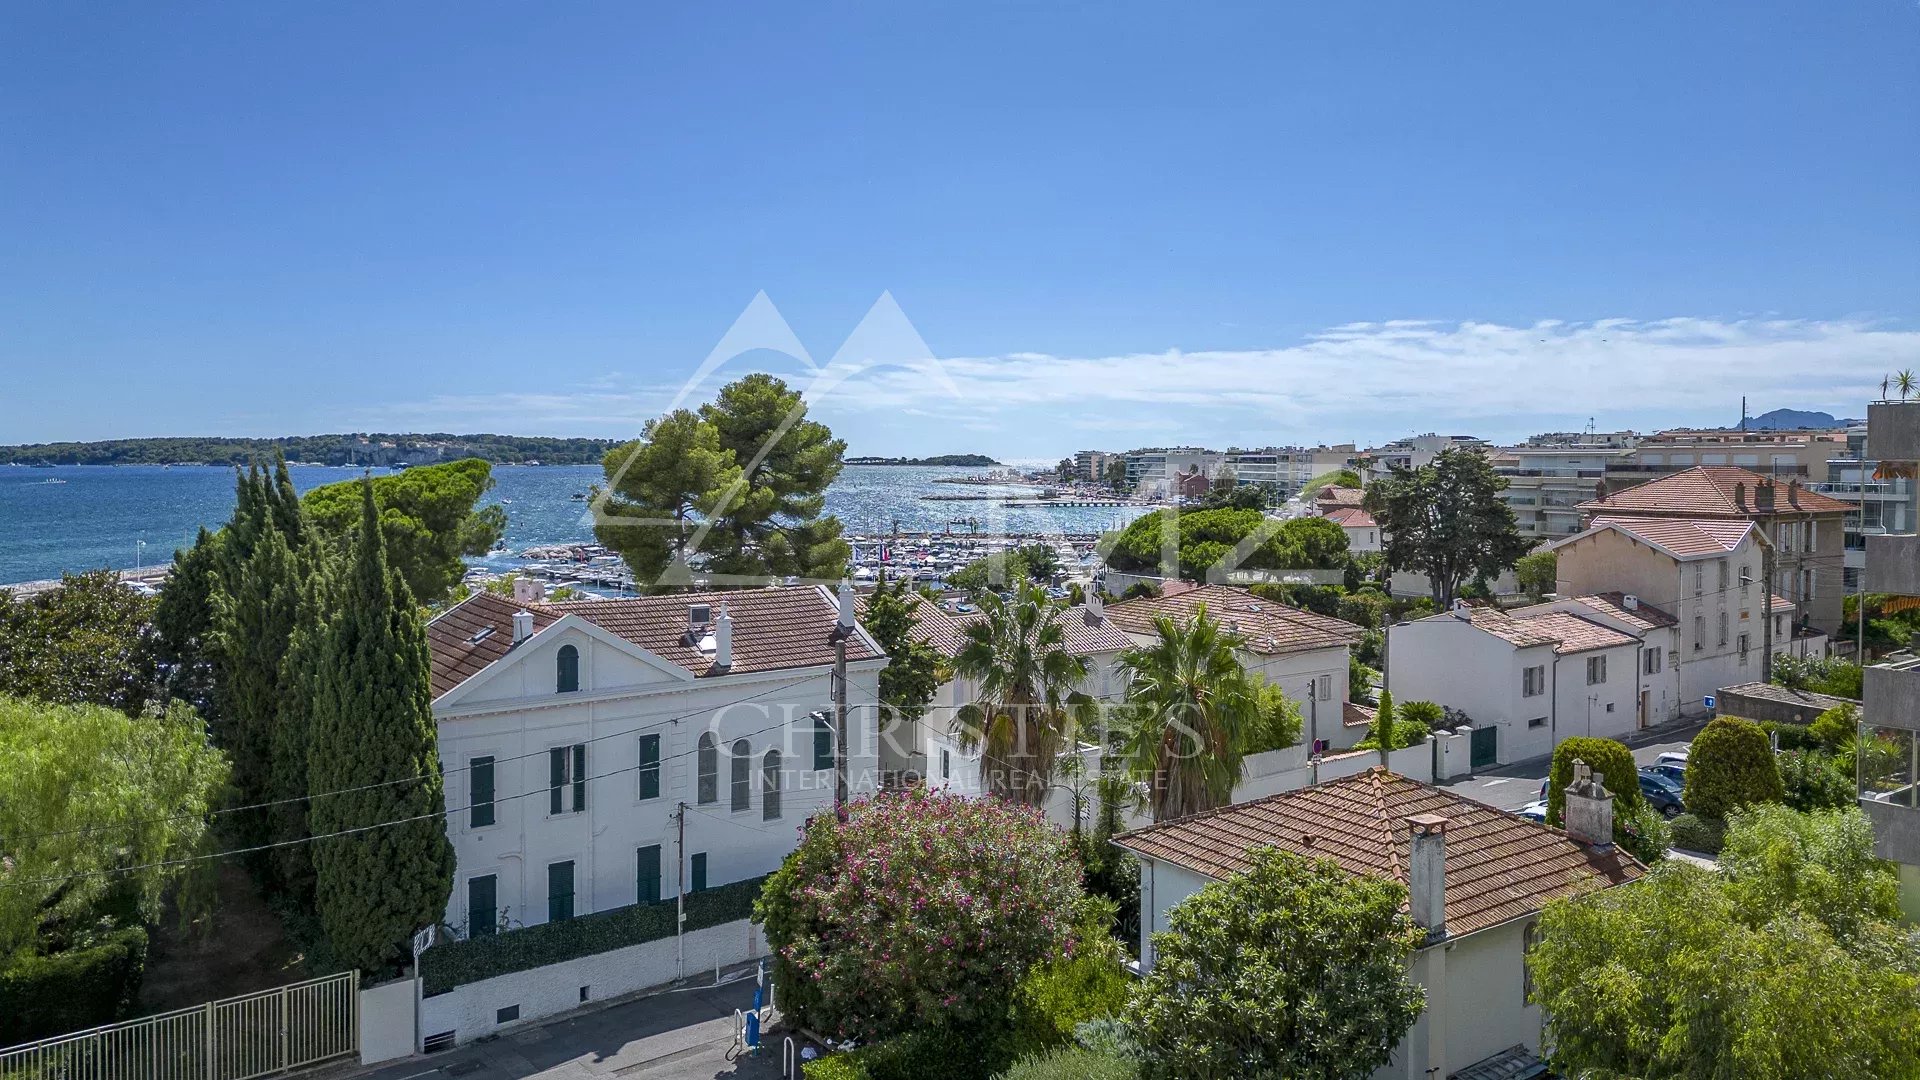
1510, 787
677, 1036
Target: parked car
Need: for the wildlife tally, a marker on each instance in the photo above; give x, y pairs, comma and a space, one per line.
1662, 793
1534, 811
1675, 773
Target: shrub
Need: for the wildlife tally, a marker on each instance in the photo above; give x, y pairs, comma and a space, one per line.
1604, 756
848, 1066
1073, 1063
1056, 997
1788, 736
1366, 610
1643, 833
919, 912
1729, 766
41, 996
1821, 675
1696, 833
1833, 729
457, 963
1814, 781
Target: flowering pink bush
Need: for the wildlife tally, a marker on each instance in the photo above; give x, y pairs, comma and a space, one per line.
919, 910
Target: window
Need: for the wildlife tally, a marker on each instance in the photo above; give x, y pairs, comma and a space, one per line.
697, 865
1713, 459
560, 891
1746, 578
1744, 639
647, 876
1652, 459
709, 755
649, 766
1699, 632
1725, 569
567, 665
770, 786
1537, 722
567, 779
480, 792
1723, 629
1533, 681
946, 764
1651, 664
483, 915
822, 741
1680, 459
1699, 578
740, 777
1596, 670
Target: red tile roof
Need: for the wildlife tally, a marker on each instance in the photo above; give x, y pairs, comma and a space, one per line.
1270, 627
1643, 615
947, 631
1566, 632
1716, 491
1333, 495
1682, 537
1354, 714
1499, 866
1351, 517
773, 629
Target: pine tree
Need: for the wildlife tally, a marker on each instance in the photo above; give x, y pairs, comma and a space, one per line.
372, 722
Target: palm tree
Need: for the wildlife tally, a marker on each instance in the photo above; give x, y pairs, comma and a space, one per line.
1903, 381
1023, 712
1191, 709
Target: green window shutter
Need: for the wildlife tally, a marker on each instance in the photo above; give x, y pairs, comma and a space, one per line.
556, 778
822, 742
648, 876
480, 792
560, 891
579, 777
649, 766
698, 864
482, 911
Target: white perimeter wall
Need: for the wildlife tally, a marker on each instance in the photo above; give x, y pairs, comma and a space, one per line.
386, 1022
469, 1011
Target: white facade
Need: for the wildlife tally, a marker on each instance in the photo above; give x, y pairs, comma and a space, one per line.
590, 841
1535, 695
1545, 486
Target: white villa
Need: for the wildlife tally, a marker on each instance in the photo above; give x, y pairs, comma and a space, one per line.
574, 736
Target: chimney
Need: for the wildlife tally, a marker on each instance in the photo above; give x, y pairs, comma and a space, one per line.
723, 640
1096, 607
1460, 610
1630, 602
1427, 874
528, 590
522, 626
1588, 815
1740, 496
846, 607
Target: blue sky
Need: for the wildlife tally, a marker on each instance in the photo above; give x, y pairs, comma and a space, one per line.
1112, 225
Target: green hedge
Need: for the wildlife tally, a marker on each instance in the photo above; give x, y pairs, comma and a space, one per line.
929, 1054
1731, 765
1791, 736
457, 963
43, 996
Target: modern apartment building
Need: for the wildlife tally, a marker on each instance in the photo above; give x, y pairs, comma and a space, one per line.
1605, 440
1411, 453
1881, 501
1288, 468
1890, 776
1149, 469
1788, 455
1091, 465
1547, 484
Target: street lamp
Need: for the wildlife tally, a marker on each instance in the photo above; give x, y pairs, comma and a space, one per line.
138, 547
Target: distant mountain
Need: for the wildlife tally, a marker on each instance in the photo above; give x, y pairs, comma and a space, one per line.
1791, 419
352, 449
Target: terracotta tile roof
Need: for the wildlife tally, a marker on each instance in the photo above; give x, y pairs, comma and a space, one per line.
1716, 491
1566, 632
1333, 495
947, 631
1683, 537
1351, 517
1645, 615
1499, 866
1354, 714
772, 629
1271, 628
1805, 699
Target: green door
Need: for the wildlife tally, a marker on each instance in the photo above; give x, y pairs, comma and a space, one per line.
1485, 747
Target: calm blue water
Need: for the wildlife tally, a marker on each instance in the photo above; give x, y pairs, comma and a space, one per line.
102, 514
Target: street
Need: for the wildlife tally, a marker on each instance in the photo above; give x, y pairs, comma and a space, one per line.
1510, 787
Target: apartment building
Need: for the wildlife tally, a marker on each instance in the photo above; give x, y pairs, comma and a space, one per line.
1603, 440
1091, 465
1411, 453
1785, 455
1547, 484
1880, 501
1803, 526
1151, 469
1890, 778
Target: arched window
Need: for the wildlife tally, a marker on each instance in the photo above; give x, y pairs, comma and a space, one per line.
709, 770
740, 775
567, 667
822, 741
770, 786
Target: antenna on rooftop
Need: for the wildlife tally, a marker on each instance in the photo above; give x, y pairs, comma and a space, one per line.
1743, 412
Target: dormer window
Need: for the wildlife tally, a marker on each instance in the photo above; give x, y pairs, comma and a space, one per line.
567, 670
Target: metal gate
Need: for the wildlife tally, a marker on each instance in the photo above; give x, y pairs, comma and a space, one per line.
235, 1039
1484, 747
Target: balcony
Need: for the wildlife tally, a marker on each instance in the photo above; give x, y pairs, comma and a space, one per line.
1889, 760
1893, 430
1893, 564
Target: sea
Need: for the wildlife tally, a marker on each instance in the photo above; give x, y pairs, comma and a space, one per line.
122, 516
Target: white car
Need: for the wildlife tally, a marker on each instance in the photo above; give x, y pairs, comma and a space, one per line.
1534, 811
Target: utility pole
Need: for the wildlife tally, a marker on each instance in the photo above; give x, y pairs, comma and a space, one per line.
842, 630
680, 892
1766, 609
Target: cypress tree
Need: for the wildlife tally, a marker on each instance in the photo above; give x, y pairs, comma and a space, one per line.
183, 625
293, 725
253, 622
372, 722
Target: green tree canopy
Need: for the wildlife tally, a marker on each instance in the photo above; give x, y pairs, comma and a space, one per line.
430, 519
86, 641
372, 724
1446, 520
1778, 967
1206, 538
1295, 970
1730, 765
1537, 572
1022, 715
1191, 711
1014, 568
142, 784
911, 678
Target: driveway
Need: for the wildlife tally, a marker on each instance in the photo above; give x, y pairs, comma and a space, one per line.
686, 1035
1510, 787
